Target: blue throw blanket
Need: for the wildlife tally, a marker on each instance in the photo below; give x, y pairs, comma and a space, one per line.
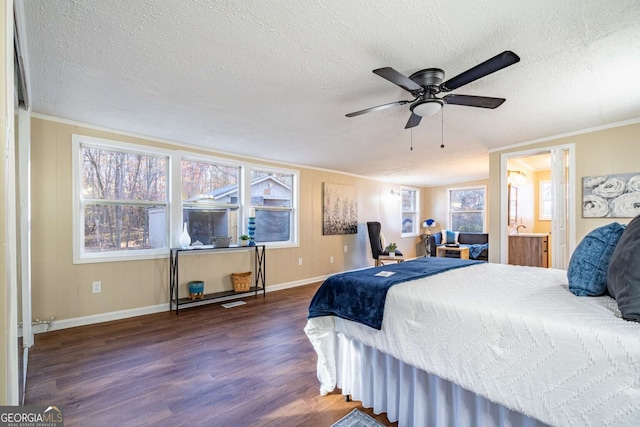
476, 250
360, 295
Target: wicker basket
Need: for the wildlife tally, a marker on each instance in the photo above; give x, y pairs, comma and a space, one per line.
241, 281
221, 242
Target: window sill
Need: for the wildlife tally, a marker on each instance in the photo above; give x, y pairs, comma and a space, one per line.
97, 258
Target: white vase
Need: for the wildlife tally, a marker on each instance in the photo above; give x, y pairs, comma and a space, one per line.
392, 254
185, 239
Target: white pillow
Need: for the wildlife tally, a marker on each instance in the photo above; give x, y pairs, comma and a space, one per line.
450, 237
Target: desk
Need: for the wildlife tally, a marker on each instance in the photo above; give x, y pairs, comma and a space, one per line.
386, 258
463, 250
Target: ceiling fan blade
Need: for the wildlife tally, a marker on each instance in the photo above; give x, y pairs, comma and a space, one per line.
489, 66
414, 121
474, 101
398, 79
379, 107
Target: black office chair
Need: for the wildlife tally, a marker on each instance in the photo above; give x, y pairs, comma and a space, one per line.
374, 229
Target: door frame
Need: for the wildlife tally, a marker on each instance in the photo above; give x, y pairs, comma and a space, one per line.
571, 185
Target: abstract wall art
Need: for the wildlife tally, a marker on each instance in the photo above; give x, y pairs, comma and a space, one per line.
611, 196
340, 209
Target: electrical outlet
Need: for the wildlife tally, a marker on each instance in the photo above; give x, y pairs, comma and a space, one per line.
331, 259
299, 261
97, 287
346, 249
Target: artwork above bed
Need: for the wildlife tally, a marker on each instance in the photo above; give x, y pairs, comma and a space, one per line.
613, 196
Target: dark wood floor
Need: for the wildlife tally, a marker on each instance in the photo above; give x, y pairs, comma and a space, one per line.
250, 365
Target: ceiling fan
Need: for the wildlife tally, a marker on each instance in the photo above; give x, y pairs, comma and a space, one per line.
425, 84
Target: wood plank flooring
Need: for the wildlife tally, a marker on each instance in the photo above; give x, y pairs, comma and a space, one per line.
250, 365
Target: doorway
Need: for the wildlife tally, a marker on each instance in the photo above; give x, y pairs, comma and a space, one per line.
538, 194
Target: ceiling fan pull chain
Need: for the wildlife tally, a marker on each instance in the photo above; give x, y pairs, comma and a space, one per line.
442, 128
411, 139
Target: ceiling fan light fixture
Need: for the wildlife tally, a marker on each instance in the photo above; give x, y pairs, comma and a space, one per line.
427, 107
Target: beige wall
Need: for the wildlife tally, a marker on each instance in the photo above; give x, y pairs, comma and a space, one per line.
607, 151
63, 290
437, 205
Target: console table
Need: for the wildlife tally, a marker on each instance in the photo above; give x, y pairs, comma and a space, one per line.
259, 270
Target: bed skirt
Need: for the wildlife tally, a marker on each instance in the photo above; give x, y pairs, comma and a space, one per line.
411, 396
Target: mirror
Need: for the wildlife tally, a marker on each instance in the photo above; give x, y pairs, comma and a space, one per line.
512, 205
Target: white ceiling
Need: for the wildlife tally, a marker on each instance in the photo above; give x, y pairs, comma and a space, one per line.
274, 79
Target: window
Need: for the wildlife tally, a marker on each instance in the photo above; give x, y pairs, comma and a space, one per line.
122, 199
410, 222
210, 200
545, 201
125, 207
466, 209
272, 203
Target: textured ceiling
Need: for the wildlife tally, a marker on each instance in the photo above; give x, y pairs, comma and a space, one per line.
274, 79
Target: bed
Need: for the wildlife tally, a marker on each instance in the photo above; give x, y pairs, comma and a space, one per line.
485, 344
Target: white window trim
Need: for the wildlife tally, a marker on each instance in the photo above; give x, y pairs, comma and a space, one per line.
472, 187
81, 257
295, 203
176, 225
174, 199
417, 224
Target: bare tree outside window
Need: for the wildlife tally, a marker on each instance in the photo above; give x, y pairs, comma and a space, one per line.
466, 209
120, 193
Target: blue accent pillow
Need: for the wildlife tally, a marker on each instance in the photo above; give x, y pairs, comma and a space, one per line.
623, 278
450, 236
589, 263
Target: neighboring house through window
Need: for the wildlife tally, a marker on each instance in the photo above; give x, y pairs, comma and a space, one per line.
210, 202
272, 201
467, 207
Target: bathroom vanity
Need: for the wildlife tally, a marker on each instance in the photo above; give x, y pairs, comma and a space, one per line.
530, 249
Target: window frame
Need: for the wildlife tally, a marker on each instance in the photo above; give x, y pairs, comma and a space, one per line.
416, 212
294, 208
212, 160
173, 199
483, 211
80, 256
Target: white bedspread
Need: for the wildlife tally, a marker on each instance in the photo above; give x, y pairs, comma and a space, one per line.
514, 335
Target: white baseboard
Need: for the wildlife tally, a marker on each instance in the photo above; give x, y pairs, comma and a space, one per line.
124, 314
297, 283
99, 318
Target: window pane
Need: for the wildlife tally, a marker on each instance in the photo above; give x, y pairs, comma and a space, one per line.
116, 175
206, 182
271, 189
205, 224
408, 221
408, 200
273, 226
117, 227
471, 222
471, 199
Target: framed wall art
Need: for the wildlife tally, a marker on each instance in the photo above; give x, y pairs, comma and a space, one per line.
340, 209
611, 196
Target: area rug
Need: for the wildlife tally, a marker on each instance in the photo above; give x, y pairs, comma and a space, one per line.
357, 418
